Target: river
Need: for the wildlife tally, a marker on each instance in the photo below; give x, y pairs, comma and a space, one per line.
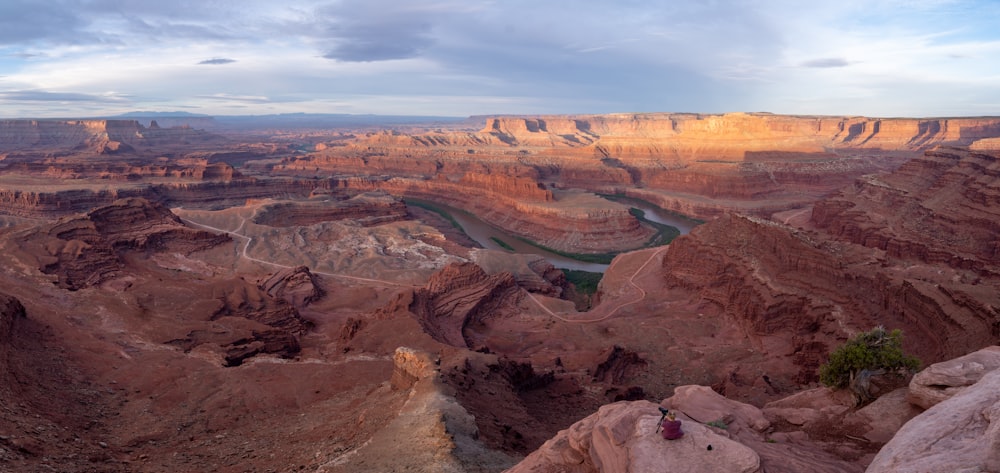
482, 233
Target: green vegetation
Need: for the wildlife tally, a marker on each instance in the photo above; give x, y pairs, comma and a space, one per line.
874, 352
599, 258
502, 244
585, 281
719, 424
433, 208
664, 233
624, 199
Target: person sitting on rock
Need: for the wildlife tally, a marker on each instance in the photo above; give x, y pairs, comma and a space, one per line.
671, 427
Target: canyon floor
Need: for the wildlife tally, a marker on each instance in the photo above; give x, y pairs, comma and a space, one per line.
179, 300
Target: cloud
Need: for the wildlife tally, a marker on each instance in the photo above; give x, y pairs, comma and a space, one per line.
826, 62
27, 20
217, 60
45, 96
378, 30
236, 98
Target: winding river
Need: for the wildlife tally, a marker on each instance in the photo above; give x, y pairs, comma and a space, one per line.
483, 233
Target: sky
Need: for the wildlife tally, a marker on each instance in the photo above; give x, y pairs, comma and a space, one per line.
885, 58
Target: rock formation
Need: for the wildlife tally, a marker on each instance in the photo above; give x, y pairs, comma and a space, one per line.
297, 286
622, 437
101, 136
299, 270
11, 311
961, 433
859, 264
942, 381
431, 432
371, 208
941, 208
461, 299
86, 251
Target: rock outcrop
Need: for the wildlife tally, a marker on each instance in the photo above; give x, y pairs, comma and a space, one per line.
87, 250
961, 433
297, 286
940, 208
431, 432
911, 250
700, 165
622, 437
100, 136
460, 300
11, 311
941, 381
367, 209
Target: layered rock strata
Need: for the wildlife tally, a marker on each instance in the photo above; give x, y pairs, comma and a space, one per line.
940, 208
460, 299
101, 136
88, 250
701, 165
912, 250
371, 208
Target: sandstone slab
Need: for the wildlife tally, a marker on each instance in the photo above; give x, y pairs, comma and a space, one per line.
941, 381
622, 437
959, 434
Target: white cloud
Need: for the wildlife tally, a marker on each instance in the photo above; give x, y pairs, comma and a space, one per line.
467, 57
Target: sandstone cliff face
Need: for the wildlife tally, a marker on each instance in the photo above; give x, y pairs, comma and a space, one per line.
699, 164
807, 293
740, 132
942, 208
100, 136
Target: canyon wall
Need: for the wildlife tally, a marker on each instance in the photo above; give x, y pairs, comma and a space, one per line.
100, 136
940, 208
915, 250
702, 165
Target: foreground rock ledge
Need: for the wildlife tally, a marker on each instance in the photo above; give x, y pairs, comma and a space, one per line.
622, 437
961, 434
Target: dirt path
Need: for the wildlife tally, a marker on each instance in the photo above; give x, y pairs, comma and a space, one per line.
249, 240
631, 280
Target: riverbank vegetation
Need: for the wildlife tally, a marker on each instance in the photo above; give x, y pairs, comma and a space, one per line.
502, 243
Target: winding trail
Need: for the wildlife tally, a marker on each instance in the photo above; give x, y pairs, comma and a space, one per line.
249, 240
631, 280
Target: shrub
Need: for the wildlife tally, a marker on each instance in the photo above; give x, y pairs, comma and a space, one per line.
869, 353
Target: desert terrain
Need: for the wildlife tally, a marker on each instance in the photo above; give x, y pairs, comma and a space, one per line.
509, 293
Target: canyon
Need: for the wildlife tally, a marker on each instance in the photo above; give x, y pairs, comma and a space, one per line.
180, 299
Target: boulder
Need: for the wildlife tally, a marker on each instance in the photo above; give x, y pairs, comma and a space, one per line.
958, 434
809, 406
883, 417
622, 437
704, 405
941, 381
